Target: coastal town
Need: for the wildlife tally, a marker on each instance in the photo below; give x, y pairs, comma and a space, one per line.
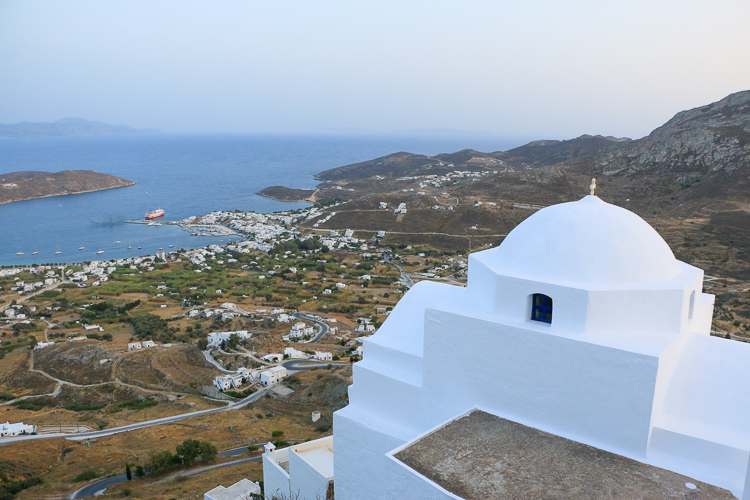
253, 318
262, 327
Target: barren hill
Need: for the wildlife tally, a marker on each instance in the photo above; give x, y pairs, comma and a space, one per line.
700, 157
17, 186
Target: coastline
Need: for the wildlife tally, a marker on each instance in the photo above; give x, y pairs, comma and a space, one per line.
131, 183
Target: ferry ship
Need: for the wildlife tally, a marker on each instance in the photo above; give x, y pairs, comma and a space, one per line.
153, 214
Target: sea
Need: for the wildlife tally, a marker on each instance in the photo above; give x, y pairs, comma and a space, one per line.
184, 175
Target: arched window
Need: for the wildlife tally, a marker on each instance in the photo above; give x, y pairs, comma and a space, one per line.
541, 308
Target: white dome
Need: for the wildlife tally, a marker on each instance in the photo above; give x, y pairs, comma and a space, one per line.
587, 241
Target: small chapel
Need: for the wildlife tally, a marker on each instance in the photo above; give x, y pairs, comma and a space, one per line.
576, 363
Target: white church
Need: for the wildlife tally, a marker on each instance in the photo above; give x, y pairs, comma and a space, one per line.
577, 363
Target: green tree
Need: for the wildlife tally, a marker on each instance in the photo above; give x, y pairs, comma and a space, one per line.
208, 451
202, 344
161, 461
189, 450
139, 472
128, 474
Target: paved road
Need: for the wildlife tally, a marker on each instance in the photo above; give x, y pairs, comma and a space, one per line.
324, 328
99, 486
405, 279
140, 425
294, 365
211, 360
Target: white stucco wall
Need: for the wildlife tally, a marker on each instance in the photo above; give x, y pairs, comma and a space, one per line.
623, 366
310, 475
275, 479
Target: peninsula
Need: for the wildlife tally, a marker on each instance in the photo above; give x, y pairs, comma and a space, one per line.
28, 185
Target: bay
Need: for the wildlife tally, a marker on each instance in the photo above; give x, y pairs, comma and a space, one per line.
184, 175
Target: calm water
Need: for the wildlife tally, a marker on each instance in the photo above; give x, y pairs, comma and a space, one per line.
183, 174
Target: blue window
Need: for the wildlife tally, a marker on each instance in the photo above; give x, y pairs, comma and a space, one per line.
541, 308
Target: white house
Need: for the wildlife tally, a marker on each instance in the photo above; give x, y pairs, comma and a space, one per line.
595, 341
300, 330
273, 375
283, 318
222, 383
272, 358
323, 356
8, 429
246, 374
229, 381
300, 471
148, 343
293, 353
134, 345
241, 490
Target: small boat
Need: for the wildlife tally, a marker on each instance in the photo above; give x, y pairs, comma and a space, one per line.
19, 253
139, 248
170, 246
129, 247
118, 242
81, 248
58, 252
100, 251
34, 252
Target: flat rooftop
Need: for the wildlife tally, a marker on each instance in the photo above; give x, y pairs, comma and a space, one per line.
481, 456
319, 458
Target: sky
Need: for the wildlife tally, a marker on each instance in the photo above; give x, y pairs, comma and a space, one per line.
547, 69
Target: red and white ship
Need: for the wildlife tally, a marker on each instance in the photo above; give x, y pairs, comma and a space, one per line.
153, 214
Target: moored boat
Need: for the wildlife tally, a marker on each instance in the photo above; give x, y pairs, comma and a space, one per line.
153, 214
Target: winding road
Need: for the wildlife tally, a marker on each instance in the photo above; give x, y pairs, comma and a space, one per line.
405, 279
141, 425
324, 328
98, 487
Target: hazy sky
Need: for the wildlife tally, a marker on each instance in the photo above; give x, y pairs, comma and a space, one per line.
532, 68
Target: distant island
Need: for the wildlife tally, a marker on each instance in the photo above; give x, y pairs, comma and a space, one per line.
68, 127
28, 185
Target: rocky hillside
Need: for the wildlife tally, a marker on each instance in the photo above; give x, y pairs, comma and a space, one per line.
67, 127
17, 186
700, 157
393, 166
712, 138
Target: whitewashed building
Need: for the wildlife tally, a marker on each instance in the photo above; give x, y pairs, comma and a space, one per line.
241, 490
293, 353
300, 471
581, 330
323, 356
229, 381
272, 358
273, 375
8, 429
134, 345
300, 329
